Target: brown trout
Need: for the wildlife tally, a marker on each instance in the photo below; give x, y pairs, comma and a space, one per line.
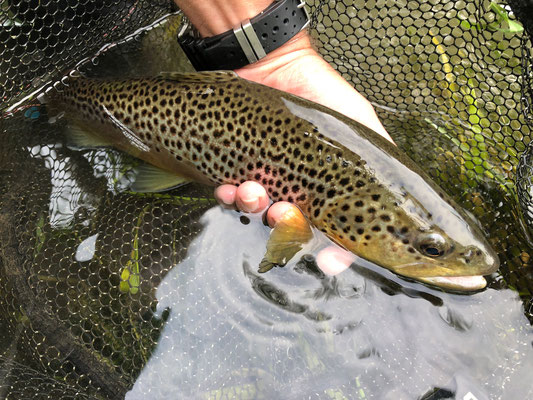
350, 183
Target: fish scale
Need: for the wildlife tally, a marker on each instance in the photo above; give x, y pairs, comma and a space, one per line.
352, 184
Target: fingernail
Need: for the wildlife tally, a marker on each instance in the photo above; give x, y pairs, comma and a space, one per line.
226, 202
251, 204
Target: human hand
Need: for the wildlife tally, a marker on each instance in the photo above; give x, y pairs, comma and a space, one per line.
252, 197
295, 68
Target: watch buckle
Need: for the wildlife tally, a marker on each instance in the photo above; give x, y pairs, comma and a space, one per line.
307, 16
249, 41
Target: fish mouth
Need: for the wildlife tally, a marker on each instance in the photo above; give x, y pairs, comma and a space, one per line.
461, 283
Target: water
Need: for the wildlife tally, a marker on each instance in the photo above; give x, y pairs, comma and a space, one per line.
292, 334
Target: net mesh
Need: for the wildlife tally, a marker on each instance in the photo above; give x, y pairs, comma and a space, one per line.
85, 262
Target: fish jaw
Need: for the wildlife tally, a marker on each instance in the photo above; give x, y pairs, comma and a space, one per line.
455, 276
460, 279
460, 283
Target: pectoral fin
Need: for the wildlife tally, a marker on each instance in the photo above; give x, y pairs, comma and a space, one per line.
153, 179
80, 136
286, 239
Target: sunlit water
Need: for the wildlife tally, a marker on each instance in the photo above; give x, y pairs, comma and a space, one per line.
293, 334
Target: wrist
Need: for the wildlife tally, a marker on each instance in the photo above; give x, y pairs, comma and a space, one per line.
295, 48
249, 39
212, 17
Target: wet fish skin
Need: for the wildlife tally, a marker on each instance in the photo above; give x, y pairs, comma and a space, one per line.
351, 183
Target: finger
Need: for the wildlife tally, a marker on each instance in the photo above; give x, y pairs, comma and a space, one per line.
333, 260
278, 210
251, 197
225, 195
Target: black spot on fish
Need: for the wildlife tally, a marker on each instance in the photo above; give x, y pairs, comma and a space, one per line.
344, 181
302, 197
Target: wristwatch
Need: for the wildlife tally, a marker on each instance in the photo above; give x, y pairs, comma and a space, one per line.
249, 41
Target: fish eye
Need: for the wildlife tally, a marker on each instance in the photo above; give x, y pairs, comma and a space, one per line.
433, 245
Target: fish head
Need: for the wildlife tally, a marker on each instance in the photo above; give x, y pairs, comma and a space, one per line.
446, 250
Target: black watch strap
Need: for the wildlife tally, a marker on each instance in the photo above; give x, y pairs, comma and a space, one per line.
247, 43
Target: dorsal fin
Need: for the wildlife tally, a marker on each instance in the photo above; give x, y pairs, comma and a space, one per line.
200, 77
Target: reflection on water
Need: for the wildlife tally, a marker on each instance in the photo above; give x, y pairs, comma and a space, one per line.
292, 333
66, 195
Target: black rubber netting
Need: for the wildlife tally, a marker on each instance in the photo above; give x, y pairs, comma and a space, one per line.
82, 257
